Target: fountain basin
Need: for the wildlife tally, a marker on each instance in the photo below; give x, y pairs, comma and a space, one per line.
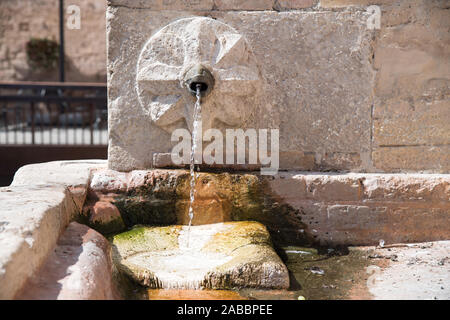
218, 256
336, 209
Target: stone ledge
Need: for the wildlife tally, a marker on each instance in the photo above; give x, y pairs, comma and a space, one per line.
70, 173
73, 175
363, 186
361, 209
330, 208
347, 3
36, 209
87, 254
210, 5
31, 220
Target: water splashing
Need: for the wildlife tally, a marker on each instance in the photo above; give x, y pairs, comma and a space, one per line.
197, 120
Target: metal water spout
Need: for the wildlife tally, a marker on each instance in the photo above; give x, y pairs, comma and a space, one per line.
199, 77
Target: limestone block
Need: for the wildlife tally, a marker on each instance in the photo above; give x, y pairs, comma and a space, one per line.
340, 161
415, 158
31, 220
316, 75
215, 256
296, 4
108, 181
297, 160
406, 187
346, 3
402, 123
73, 175
36, 208
411, 106
408, 72
364, 208
244, 5
79, 268
164, 4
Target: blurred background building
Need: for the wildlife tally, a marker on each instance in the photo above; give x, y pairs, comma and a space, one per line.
51, 108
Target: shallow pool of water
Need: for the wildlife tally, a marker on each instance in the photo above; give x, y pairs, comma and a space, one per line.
329, 274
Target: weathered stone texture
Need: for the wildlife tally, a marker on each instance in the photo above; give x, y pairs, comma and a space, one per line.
364, 208
346, 3
412, 96
315, 82
414, 158
407, 123
79, 268
414, 272
344, 97
244, 5
297, 207
35, 210
222, 5
295, 4
171, 54
162, 197
31, 220
157, 5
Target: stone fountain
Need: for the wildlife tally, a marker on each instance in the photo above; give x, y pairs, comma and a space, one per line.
305, 70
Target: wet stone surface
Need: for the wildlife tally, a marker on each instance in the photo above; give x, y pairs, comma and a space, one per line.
216, 256
161, 197
330, 274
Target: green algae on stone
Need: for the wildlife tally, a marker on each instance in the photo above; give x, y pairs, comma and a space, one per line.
136, 241
144, 238
219, 256
163, 199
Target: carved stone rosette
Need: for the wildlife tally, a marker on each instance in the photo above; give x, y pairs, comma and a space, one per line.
172, 51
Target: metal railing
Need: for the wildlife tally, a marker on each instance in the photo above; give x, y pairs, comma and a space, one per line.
53, 113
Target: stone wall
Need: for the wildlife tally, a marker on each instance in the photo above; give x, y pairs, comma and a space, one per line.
85, 48
34, 212
344, 97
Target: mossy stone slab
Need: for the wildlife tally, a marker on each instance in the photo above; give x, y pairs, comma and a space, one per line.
215, 256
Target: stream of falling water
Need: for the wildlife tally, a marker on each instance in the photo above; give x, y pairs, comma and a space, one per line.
196, 121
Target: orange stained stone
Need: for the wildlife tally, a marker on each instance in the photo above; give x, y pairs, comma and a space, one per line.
172, 294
